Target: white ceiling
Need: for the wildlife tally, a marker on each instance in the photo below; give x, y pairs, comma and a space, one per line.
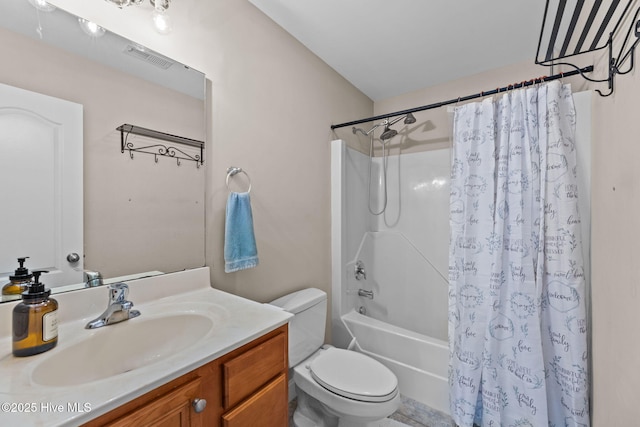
387, 48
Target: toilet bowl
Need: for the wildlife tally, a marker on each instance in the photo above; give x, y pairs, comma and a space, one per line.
355, 388
335, 387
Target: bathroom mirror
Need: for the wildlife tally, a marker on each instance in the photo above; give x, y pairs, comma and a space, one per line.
143, 214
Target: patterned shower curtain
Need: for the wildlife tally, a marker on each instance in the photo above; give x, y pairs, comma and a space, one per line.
517, 316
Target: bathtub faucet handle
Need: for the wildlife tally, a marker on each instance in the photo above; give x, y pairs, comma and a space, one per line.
365, 293
359, 271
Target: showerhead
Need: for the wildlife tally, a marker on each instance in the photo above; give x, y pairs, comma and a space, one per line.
388, 133
409, 119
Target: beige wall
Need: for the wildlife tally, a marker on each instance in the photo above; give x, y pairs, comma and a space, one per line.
614, 254
272, 104
272, 115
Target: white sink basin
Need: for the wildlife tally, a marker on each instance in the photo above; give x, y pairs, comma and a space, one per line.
122, 347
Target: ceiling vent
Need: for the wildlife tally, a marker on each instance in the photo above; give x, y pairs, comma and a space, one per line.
148, 56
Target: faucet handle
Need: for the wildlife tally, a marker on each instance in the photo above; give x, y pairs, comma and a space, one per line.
94, 278
360, 272
118, 293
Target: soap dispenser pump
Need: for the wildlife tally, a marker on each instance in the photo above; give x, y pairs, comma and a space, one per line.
35, 320
19, 282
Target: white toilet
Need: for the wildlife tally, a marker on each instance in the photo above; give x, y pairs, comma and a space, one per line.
335, 387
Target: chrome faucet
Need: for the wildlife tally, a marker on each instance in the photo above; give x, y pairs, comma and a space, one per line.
118, 310
365, 293
94, 278
359, 271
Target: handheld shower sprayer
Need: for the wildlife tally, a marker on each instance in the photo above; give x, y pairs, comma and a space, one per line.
386, 135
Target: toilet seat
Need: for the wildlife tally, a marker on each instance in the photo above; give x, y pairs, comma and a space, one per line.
353, 375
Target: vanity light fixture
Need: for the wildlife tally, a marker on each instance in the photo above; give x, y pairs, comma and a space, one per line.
91, 28
161, 20
121, 3
42, 5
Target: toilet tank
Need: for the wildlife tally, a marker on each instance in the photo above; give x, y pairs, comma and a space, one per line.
306, 327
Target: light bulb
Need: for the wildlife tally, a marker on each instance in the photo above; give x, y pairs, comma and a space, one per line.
91, 28
161, 21
42, 5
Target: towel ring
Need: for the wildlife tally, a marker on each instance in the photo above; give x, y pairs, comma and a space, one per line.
231, 171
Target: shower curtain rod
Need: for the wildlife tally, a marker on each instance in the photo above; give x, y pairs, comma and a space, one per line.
469, 97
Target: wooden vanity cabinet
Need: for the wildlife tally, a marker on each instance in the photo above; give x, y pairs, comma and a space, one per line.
244, 388
254, 385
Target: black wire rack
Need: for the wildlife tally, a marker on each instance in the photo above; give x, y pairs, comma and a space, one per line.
575, 27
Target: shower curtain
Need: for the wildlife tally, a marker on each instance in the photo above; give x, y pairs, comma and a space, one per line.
517, 317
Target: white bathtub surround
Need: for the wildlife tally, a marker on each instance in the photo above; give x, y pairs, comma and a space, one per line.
404, 252
517, 314
409, 291
237, 322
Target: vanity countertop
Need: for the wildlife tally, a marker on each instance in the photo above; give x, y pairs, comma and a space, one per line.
24, 402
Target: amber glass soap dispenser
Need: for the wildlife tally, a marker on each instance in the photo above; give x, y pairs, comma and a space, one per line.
19, 282
35, 320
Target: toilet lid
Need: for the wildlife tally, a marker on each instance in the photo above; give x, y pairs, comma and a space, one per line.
354, 375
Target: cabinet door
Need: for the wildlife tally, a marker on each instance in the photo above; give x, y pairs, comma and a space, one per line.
248, 372
171, 410
266, 408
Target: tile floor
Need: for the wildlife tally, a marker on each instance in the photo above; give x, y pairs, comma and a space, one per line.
411, 413
416, 414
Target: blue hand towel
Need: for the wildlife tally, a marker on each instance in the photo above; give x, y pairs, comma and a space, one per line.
240, 251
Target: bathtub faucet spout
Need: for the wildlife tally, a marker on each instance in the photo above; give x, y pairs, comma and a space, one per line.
365, 293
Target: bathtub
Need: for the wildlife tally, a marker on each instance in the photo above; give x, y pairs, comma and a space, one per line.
420, 362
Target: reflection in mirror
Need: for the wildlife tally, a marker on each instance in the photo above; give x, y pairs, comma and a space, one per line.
142, 214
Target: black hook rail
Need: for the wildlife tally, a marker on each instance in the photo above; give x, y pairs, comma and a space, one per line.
160, 149
542, 79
